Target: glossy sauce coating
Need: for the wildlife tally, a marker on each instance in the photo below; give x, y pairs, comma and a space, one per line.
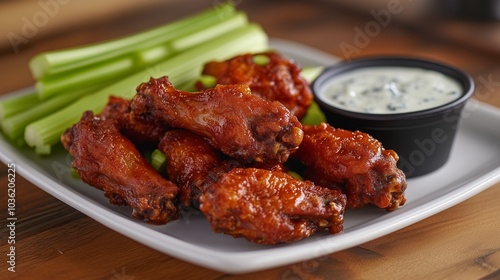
355, 163
271, 207
142, 131
192, 163
277, 79
107, 160
238, 123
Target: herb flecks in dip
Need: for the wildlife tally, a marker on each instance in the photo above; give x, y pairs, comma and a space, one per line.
390, 90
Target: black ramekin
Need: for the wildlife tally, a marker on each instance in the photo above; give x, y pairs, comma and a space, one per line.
422, 139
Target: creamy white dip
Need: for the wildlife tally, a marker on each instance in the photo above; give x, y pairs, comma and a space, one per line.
390, 90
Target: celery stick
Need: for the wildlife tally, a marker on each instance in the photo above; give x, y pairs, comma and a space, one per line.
314, 115
153, 55
295, 175
182, 40
310, 73
102, 74
195, 38
158, 160
208, 81
111, 70
158, 48
20, 142
260, 59
16, 104
13, 126
74, 173
60, 61
43, 149
189, 85
180, 69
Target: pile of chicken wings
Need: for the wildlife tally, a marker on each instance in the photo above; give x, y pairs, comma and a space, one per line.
229, 150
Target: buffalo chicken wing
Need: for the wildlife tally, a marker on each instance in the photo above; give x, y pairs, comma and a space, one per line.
354, 162
142, 132
274, 79
107, 160
238, 123
193, 163
271, 207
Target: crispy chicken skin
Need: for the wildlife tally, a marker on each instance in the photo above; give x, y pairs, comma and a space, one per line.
356, 163
193, 163
141, 131
107, 160
238, 123
271, 207
277, 80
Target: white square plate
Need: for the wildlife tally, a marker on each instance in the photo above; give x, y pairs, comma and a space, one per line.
474, 165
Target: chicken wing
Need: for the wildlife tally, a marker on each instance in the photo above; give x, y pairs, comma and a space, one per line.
356, 163
271, 207
143, 132
107, 160
238, 123
193, 163
277, 79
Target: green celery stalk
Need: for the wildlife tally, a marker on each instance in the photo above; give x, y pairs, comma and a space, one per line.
197, 34
208, 81
189, 85
180, 69
314, 115
112, 70
101, 74
235, 21
158, 160
16, 104
61, 61
260, 59
43, 150
13, 126
310, 73
295, 175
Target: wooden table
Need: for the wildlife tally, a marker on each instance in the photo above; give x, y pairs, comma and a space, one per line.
54, 241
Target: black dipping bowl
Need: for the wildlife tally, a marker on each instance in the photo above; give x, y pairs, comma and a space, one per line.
422, 139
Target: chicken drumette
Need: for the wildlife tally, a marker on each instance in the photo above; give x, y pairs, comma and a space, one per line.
275, 78
107, 160
271, 207
354, 162
238, 123
143, 132
193, 163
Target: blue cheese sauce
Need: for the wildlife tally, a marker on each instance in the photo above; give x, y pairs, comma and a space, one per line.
390, 90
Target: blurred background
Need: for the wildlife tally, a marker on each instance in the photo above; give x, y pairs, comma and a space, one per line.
482, 10
475, 22
469, 22
390, 26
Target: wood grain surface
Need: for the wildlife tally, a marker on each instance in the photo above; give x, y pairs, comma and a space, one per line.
54, 241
